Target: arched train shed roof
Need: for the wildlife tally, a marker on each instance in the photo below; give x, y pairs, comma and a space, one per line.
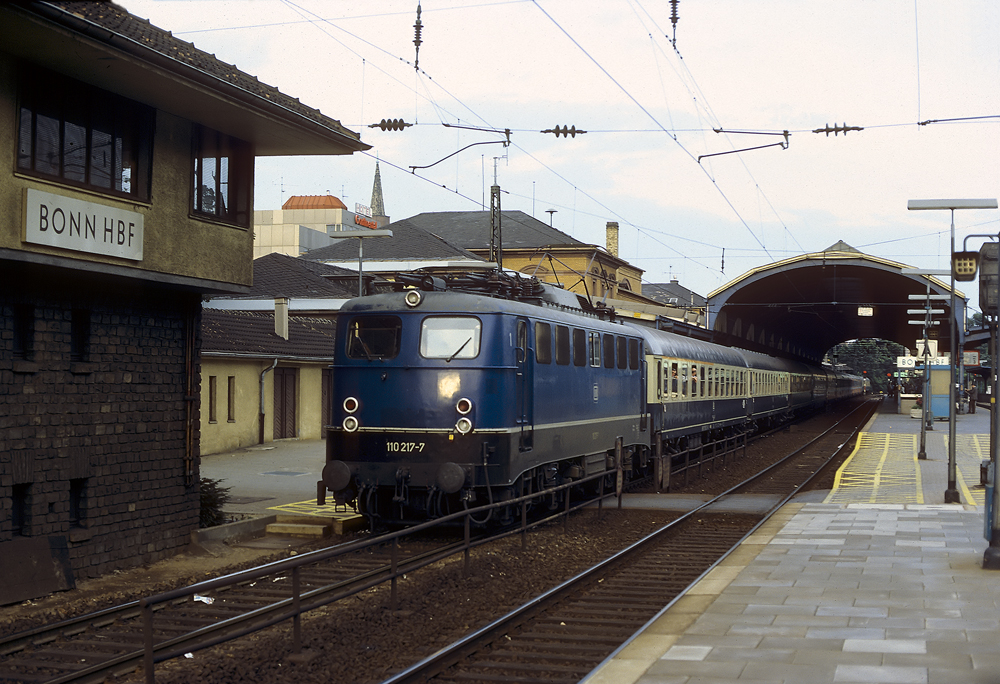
804, 305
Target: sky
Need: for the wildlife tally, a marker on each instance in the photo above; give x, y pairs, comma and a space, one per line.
921, 78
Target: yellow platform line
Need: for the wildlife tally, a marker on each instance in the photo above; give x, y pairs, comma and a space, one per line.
970, 450
310, 508
882, 469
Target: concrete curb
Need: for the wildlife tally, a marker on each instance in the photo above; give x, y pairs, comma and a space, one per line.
238, 531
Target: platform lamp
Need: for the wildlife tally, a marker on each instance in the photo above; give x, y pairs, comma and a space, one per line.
361, 235
951, 494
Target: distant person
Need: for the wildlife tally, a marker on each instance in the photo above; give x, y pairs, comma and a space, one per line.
973, 397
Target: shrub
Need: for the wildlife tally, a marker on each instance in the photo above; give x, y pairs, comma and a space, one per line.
213, 498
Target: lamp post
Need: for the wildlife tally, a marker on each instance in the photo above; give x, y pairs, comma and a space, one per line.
925, 415
951, 494
361, 235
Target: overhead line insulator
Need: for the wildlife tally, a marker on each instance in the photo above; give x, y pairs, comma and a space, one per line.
570, 131
390, 125
835, 129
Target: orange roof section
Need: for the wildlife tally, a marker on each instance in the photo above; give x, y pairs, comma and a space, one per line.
313, 202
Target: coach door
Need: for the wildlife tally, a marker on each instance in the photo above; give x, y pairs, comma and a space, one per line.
524, 387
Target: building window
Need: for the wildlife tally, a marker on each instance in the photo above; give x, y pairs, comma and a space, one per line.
79, 341
20, 496
78, 502
231, 403
223, 177
84, 136
212, 398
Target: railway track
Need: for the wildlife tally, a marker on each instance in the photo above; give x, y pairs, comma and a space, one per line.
564, 634
92, 647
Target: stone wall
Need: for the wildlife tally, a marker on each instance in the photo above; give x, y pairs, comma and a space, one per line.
98, 424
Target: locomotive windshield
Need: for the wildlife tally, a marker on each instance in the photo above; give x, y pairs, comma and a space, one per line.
450, 337
373, 337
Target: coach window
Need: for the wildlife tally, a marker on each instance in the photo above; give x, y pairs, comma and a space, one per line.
562, 345
684, 381
633, 354
694, 381
450, 337
595, 349
703, 376
673, 379
222, 177
609, 351
622, 353
543, 343
579, 347
373, 337
83, 136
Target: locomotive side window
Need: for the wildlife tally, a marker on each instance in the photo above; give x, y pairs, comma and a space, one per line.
373, 337
450, 337
579, 347
633, 354
543, 343
609, 351
562, 345
622, 353
595, 349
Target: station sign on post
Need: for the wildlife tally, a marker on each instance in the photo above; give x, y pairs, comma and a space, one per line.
914, 361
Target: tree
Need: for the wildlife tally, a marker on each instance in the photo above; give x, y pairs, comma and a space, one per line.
872, 357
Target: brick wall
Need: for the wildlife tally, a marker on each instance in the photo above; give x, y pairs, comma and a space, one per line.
93, 419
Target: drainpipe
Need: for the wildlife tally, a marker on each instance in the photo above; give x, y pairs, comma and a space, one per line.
260, 419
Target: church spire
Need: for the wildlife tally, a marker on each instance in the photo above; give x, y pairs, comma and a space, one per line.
378, 205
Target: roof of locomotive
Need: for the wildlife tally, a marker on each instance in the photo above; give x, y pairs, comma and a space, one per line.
469, 303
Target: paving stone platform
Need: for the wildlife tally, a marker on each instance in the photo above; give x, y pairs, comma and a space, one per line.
879, 582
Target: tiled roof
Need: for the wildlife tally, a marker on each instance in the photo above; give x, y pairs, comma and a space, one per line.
252, 333
116, 20
471, 229
313, 202
408, 242
279, 275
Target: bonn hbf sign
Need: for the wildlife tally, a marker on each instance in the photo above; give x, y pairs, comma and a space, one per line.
67, 223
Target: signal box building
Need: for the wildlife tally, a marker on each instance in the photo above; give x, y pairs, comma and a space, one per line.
127, 159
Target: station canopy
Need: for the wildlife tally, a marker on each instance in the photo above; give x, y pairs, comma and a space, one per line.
805, 305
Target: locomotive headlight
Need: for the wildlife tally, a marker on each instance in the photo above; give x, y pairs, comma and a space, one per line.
351, 404
464, 406
412, 298
464, 426
351, 424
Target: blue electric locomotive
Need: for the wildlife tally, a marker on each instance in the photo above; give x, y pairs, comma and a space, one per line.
448, 398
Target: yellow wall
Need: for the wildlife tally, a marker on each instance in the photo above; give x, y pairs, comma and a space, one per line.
222, 435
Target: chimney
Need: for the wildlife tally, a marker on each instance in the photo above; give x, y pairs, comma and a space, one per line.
281, 317
612, 238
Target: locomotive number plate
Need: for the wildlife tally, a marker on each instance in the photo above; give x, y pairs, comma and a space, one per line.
404, 447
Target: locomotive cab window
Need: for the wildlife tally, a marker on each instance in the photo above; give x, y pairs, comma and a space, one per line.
450, 337
373, 337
